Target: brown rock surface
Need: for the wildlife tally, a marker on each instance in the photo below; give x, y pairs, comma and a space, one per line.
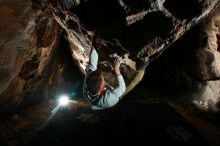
27, 40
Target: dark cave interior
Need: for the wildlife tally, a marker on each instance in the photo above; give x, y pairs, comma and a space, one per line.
45, 47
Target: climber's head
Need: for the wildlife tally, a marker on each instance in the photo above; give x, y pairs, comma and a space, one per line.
95, 82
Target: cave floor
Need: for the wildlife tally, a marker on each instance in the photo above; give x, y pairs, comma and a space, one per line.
130, 123
133, 122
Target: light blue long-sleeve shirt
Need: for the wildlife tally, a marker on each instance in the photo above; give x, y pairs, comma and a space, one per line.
110, 96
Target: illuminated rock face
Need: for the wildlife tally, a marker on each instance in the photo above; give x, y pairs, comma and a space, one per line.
27, 41
208, 67
32, 42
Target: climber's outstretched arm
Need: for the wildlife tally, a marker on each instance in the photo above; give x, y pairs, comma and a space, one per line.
137, 78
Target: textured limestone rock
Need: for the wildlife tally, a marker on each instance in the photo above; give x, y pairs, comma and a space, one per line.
27, 41
207, 96
189, 69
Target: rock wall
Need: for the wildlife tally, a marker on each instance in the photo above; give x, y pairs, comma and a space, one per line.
189, 69
28, 38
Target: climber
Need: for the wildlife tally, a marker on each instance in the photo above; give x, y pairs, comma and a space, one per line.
96, 90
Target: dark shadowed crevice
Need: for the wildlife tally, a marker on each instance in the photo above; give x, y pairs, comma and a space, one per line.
140, 4
107, 17
184, 9
133, 6
218, 39
153, 25
170, 72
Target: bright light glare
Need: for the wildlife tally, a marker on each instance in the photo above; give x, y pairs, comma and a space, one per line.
64, 100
